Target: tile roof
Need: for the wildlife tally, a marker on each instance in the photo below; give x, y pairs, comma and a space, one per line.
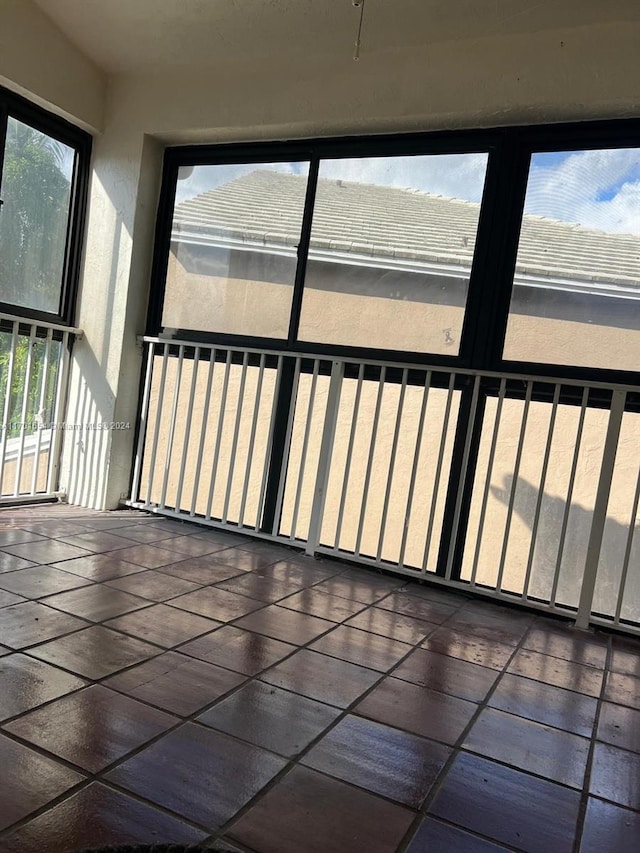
398, 228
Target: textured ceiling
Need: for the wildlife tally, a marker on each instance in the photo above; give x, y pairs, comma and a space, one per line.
145, 35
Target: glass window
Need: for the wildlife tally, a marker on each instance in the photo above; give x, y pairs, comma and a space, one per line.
34, 217
234, 243
392, 245
576, 291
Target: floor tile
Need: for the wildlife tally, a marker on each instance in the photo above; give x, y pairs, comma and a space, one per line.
156, 586
190, 547
622, 689
355, 590
619, 726
611, 828
148, 556
625, 662
46, 551
223, 774
55, 527
248, 561
467, 647
361, 647
98, 816
283, 624
316, 603
546, 704
95, 652
418, 710
272, 718
238, 650
176, 683
419, 608
28, 781
447, 675
201, 570
323, 678
436, 593
305, 570
568, 644
527, 745
96, 602
97, 541
550, 670
496, 802
24, 625
9, 563
99, 567
398, 765
433, 836
261, 588
144, 534
292, 817
26, 683
17, 536
40, 581
92, 728
217, 604
165, 626
468, 621
615, 775
9, 598
406, 629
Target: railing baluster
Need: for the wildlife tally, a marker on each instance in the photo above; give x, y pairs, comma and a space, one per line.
39, 418
6, 412
540, 496
203, 430
24, 409
487, 484
236, 433
142, 426
347, 463
156, 429
221, 418
627, 552
392, 462
325, 457
414, 468
62, 384
172, 428
187, 426
599, 518
372, 450
287, 446
252, 440
438, 472
269, 445
514, 483
305, 447
567, 505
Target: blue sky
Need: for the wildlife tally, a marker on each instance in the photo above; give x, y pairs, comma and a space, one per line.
596, 189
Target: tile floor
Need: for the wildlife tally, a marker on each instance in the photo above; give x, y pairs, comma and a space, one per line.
162, 682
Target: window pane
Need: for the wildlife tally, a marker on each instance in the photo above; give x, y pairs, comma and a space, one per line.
391, 251
577, 281
36, 192
234, 245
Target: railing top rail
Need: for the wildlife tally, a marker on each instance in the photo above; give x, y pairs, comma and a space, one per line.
459, 371
40, 324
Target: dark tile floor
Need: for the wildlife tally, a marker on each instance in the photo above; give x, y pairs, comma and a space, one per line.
162, 682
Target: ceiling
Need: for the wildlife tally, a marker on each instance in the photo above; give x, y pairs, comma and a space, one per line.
122, 36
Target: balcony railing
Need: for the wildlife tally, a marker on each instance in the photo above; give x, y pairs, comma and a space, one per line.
522, 488
34, 364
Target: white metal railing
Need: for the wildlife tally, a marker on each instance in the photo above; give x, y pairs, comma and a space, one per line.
523, 488
34, 364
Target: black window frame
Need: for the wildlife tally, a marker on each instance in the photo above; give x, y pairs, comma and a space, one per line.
491, 280
25, 111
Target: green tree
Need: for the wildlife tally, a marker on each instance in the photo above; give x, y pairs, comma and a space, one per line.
33, 218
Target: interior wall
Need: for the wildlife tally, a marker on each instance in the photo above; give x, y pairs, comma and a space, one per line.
39, 62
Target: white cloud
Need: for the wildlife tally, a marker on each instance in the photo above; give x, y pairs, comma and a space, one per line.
597, 189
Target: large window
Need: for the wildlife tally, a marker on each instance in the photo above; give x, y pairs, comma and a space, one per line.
44, 165
516, 248
576, 295
391, 250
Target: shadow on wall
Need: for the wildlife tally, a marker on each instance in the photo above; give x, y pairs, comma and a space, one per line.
562, 539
